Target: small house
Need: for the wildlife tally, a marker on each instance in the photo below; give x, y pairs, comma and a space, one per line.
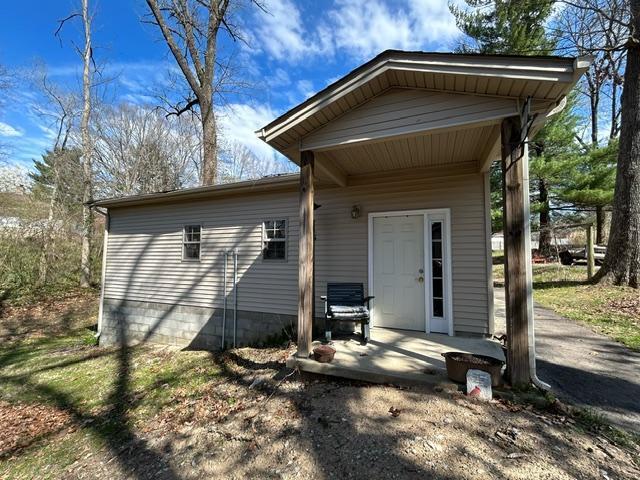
393, 193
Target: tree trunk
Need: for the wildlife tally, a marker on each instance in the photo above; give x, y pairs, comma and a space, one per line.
594, 102
544, 241
600, 225
87, 181
209, 143
43, 267
622, 261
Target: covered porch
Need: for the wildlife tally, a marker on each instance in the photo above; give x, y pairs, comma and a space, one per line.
411, 117
395, 356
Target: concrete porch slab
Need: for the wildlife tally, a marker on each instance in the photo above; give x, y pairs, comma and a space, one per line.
395, 356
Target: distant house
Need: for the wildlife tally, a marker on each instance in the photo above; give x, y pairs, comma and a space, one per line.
393, 193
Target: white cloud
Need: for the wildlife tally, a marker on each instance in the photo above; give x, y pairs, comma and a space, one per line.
361, 28
280, 32
305, 87
280, 78
239, 121
365, 28
7, 130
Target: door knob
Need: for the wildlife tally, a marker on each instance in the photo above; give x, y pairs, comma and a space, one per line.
421, 279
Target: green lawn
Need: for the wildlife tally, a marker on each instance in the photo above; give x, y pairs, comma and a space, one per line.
610, 310
105, 394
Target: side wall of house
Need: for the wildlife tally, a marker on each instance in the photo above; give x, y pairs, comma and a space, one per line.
149, 286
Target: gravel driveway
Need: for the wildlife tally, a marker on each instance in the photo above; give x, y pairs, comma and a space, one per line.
584, 367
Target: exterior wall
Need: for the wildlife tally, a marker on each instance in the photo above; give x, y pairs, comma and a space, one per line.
188, 326
144, 250
405, 111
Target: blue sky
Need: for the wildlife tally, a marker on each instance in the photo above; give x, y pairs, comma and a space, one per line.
294, 50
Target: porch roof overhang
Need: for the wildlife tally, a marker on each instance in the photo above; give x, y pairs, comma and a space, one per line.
480, 90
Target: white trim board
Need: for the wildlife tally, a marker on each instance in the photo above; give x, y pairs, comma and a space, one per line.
439, 213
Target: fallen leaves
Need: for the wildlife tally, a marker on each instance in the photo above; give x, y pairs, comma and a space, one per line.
395, 412
627, 306
23, 424
53, 315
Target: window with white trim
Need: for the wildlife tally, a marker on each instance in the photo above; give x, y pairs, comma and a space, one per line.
191, 242
274, 239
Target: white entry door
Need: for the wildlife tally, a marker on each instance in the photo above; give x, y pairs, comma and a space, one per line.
398, 272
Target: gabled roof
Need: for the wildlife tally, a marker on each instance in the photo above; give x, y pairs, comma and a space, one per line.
545, 79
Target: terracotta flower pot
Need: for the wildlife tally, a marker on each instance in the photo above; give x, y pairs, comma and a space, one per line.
323, 353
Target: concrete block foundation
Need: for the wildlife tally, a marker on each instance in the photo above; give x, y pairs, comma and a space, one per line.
188, 326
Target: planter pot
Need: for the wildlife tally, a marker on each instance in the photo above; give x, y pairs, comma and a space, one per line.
459, 362
323, 353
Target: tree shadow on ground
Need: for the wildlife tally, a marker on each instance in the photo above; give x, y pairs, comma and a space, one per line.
547, 285
112, 425
343, 443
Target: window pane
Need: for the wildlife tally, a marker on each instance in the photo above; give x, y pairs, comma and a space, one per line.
274, 250
437, 287
436, 266
192, 233
268, 225
437, 307
436, 230
436, 249
192, 251
280, 229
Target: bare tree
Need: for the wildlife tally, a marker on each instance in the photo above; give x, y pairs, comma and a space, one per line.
88, 66
190, 29
239, 163
593, 27
139, 150
6, 82
622, 261
61, 110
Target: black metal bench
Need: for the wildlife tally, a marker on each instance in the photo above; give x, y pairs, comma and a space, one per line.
345, 302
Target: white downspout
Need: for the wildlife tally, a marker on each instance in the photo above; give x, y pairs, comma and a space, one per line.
529, 273
224, 308
105, 243
235, 296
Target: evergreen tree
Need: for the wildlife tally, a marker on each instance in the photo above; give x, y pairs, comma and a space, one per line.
61, 167
514, 27
591, 182
551, 152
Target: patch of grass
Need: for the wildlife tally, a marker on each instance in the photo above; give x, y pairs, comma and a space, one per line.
565, 290
107, 391
589, 420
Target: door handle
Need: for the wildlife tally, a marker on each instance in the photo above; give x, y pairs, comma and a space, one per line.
421, 279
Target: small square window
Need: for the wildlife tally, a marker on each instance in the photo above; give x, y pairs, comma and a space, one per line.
274, 240
191, 242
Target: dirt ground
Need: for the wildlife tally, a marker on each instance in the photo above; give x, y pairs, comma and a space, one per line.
243, 415
287, 427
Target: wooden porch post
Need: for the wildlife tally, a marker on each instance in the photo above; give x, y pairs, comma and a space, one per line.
305, 255
514, 221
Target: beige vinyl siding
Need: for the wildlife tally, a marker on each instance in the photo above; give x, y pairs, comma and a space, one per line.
405, 111
144, 251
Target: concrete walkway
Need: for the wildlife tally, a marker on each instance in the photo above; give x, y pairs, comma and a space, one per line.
583, 367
